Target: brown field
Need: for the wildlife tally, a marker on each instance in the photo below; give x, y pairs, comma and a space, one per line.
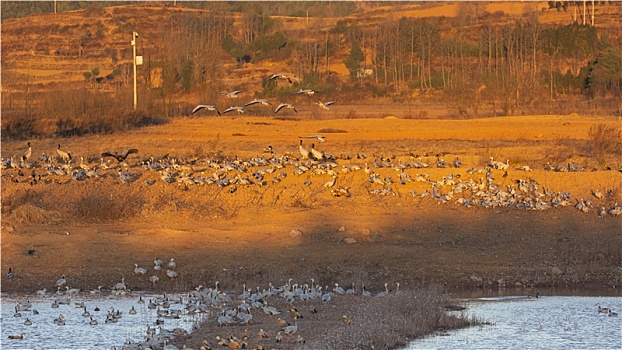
94, 230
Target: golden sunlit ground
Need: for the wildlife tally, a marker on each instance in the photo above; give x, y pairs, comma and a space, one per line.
95, 230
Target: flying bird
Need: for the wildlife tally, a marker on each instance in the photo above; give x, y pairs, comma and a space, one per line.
238, 109
264, 102
208, 107
281, 76
325, 104
320, 138
122, 156
232, 94
305, 91
285, 105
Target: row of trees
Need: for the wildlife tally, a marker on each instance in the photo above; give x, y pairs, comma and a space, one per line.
503, 67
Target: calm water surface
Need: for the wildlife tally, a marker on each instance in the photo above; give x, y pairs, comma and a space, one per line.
549, 322
77, 333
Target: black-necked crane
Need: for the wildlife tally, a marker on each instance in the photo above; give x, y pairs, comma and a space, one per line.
208, 107
317, 154
65, 156
120, 157
28, 153
303, 151
285, 105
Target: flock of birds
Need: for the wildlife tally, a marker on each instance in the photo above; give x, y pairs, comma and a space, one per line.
386, 176
214, 307
260, 101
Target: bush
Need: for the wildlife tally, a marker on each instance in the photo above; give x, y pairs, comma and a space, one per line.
604, 139
98, 204
19, 128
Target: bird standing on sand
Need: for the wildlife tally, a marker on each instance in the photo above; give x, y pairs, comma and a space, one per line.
9, 274
28, 153
65, 156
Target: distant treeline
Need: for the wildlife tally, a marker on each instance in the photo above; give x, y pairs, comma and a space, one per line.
18, 9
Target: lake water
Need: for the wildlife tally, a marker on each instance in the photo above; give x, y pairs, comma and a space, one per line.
78, 333
549, 322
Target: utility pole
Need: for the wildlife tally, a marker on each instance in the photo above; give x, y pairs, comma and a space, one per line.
592, 13
584, 9
54, 6
134, 36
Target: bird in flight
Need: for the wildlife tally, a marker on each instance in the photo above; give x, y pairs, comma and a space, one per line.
232, 94
238, 109
324, 104
264, 102
320, 138
285, 105
208, 107
305, 91
122, 156
281, 76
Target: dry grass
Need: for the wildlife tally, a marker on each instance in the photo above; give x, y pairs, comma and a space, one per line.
30, 214
388, 322
97, 204
605, 139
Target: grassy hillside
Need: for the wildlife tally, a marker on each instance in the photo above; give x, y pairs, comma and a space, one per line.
475, 59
